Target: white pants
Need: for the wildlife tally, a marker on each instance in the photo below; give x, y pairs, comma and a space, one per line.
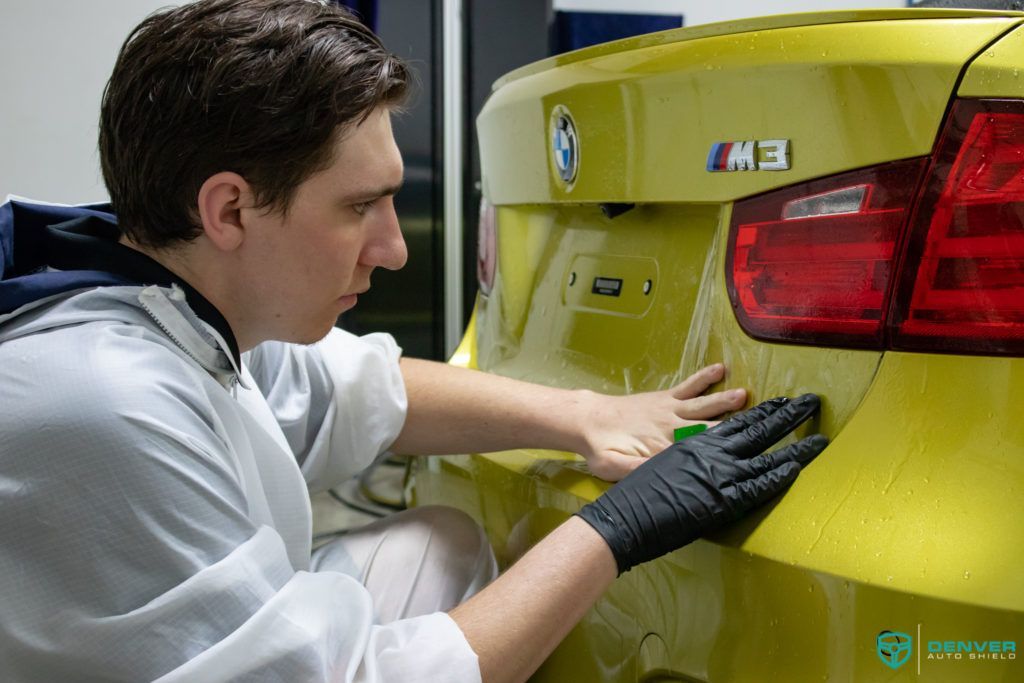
415, 562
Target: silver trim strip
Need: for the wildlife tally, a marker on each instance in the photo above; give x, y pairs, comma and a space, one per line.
453, 155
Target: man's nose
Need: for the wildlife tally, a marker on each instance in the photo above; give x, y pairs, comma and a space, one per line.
387, 246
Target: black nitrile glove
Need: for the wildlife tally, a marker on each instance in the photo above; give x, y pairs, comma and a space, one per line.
704, 482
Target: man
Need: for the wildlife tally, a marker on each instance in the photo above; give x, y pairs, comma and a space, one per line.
172, 388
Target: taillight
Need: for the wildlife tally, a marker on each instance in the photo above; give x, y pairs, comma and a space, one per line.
814, 262
962, 286
487, 248
844, 260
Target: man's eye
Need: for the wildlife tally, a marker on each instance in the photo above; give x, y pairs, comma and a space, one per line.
363, 207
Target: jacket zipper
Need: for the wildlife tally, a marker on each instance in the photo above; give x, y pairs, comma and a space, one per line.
232, 377
171, 335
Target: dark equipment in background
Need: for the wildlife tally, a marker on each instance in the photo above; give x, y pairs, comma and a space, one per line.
575, 30
498, 36
1015, 5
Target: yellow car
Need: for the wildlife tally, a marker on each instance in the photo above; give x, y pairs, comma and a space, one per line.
828, 203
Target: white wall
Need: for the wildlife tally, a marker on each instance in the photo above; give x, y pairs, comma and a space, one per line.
55, 58
704, 12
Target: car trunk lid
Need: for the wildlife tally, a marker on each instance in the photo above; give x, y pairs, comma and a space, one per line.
613, 278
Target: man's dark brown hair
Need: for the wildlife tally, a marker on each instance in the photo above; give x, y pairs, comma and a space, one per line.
257, 87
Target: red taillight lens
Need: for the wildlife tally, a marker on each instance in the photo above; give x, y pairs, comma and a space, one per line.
487, 248
962, 287
817, 262
813, 262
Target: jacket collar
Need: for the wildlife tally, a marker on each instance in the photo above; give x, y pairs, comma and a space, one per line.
89, 243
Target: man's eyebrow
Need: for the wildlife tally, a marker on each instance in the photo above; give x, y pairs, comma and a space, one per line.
373, 193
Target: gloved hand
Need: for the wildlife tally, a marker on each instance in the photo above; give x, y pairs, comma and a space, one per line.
704, 482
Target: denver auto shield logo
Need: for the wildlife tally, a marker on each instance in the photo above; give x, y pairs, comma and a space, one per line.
894, 648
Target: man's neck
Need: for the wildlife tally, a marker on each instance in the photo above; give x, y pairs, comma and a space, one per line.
186, 262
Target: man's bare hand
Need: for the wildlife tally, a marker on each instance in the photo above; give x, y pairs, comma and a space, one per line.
454, 410
620, 432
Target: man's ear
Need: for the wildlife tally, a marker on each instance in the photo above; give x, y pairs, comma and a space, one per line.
220, 203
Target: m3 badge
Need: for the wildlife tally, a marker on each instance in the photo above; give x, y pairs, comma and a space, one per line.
749, 155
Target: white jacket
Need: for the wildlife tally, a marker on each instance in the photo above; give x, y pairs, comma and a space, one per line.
154, 504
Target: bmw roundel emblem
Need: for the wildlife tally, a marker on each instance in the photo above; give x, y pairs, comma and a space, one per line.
565, 146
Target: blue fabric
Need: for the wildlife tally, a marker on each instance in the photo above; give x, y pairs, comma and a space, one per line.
575, 30
24, 254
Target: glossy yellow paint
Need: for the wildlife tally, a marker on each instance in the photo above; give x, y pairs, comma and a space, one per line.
914, 513
745, 25
646, 118
531, 329
923, 489
910, 517
465, 353
999, 71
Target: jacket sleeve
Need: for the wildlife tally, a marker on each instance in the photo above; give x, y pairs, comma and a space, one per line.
340, 402
129, 553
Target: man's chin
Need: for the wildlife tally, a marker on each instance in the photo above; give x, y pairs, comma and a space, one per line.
311, 336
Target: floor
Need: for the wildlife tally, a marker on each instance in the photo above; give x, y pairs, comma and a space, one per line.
360, 500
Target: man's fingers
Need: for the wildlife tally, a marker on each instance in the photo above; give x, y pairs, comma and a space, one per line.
807, 449
801, 452
698, 382
737, 423
748, 494
712, 405
759, 435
